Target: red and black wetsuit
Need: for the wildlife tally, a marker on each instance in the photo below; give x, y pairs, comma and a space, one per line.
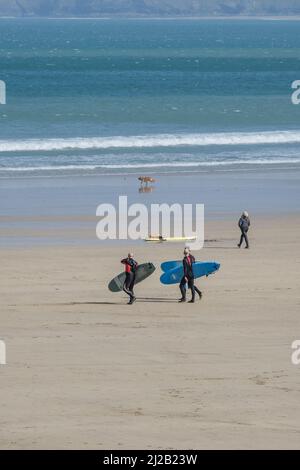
130, 270
188, 277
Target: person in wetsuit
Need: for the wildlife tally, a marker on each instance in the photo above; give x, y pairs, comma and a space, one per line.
244, 224
188, 277
130, 270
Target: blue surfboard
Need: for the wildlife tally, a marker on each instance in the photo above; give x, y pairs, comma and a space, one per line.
200, 269
168, 265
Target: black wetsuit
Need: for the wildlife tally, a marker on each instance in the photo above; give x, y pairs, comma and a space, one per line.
130, 270
189, 278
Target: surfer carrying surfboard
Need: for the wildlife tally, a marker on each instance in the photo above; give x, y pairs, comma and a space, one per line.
188, 277
130, 271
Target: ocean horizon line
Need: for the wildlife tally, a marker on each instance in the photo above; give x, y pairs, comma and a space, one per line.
144, 17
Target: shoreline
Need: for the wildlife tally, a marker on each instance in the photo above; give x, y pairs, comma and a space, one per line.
209, 169
33, 208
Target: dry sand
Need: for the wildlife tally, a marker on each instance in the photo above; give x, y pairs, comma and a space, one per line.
84, 370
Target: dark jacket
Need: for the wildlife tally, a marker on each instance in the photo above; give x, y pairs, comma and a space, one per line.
244, 223
188, 262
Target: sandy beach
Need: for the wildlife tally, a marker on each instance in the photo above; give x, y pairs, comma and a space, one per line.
158, 111
84, 370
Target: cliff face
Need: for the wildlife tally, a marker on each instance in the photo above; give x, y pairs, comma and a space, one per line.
95, 8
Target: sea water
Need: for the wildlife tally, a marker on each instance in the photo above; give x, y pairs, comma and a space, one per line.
127, 96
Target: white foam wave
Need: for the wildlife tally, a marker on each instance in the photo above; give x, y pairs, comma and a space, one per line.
57, 168
149, 141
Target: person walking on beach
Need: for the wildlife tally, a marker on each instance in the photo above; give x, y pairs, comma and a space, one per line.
188, 277
130, 270
244, 224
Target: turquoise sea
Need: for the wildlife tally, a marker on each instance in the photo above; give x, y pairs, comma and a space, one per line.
128, 96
